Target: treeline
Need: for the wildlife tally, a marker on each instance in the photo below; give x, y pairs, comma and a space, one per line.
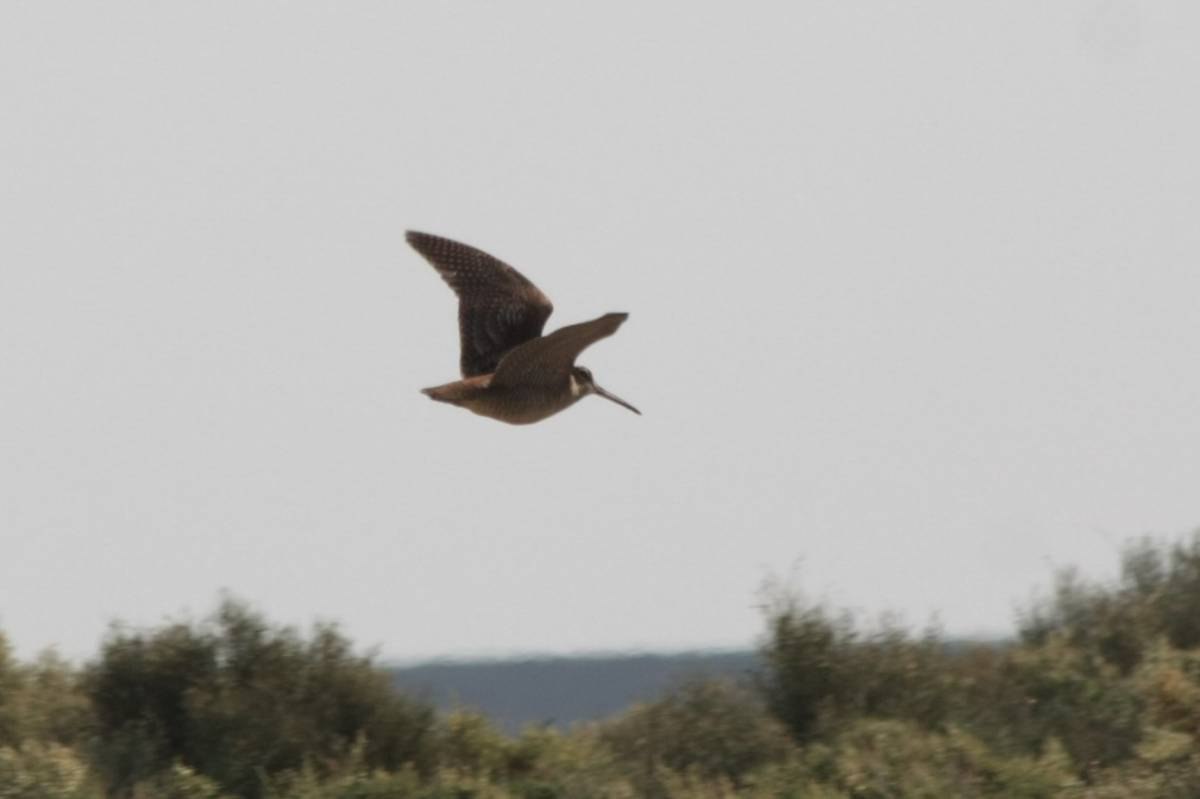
1098, 697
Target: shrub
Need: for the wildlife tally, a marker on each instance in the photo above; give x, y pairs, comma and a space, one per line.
1168, 681
1157, 595
467, 743
237, 700
178, 782
10, 686
710, 729
42, 701
548, 764
820, 671
805, 658
1076, 697
1115, 623
37, 770
886, 758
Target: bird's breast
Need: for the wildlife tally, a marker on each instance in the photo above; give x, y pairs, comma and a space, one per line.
520, 405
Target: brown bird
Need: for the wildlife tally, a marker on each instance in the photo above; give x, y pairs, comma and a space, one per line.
511, 372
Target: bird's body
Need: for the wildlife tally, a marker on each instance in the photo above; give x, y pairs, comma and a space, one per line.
515, 405
511, 372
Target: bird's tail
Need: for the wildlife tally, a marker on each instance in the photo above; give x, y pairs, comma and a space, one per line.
458, 392
443, 394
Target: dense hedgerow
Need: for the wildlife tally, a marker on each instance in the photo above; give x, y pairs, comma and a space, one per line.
1098, 697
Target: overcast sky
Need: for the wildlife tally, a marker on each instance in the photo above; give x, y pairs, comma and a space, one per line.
914, 296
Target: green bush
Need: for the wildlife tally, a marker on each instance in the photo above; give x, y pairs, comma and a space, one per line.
238, 700
178, 782
1076, 697
39, 770
821, 671
709, 729
1169, 683
806, 653
10, 686
42, 701
1157, 595
1115, 623
548, 764
467, 743
822, 674
879, 759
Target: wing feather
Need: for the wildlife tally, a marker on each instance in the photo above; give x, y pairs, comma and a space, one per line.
498, 307
547, 361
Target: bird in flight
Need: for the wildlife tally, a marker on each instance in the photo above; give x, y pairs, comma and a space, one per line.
511, 372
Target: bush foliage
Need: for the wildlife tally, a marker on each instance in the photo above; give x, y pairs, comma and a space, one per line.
1098, 697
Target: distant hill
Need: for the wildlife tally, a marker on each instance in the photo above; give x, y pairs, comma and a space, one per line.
562, 690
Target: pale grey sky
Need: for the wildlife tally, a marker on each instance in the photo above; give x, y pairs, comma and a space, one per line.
913, 287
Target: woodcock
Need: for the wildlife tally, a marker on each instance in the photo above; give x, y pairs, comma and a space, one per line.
511, 372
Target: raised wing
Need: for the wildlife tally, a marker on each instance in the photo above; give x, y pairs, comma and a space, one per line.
547, 361
498, 308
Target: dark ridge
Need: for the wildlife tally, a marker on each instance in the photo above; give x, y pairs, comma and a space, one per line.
561, 691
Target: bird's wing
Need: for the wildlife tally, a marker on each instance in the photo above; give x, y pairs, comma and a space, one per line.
547, 361
498, 308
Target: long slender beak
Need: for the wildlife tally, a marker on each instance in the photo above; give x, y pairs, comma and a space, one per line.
614, 398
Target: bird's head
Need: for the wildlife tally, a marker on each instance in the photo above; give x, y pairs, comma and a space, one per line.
582, 384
